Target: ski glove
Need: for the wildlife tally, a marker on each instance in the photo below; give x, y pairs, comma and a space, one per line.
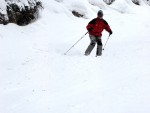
110, 33
90, 29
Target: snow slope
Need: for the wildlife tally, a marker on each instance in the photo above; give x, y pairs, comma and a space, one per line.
36, 76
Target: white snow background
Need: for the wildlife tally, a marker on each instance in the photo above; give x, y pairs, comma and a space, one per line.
36, 76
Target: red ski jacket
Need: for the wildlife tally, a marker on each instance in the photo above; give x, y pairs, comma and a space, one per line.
97, 25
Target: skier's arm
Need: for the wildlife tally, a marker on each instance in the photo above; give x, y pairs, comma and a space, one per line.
90, 25
107, 28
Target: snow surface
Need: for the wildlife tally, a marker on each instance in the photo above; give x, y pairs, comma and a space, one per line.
2, 7
20, 3
36, 76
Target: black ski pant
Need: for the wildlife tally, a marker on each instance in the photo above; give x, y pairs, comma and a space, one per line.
94, 40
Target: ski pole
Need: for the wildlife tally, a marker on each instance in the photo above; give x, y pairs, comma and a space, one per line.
74, 44
106, 42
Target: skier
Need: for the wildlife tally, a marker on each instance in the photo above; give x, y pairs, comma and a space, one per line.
95, 28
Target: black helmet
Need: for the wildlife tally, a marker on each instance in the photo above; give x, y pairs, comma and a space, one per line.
100, 13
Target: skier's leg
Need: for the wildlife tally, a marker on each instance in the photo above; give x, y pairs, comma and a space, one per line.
99, 47
91, 46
